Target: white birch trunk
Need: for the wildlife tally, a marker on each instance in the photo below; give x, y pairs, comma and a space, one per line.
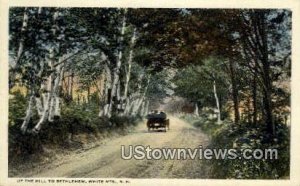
46, 96
16, 63
119, 106
146, 111
196, 111
21, 43
45, 114
54, 99
131, 102
57, 110
116, 72
38, 100
54, 93
128, 106
53, 79
140, 100
108, 83
129, 63
52, 102
48, 104
142, 110
137, 106
217, 103
128, 74
39, 106
28, 114
51, 99
134, 107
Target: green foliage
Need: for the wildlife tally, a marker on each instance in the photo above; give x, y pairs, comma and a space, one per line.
250, 137
17, 107
206, 124
158, 86
229, 135
84, 118
76, 119
195, 82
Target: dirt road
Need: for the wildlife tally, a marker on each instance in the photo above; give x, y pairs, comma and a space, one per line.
105, 160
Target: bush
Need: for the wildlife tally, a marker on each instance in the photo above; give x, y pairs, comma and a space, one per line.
252, 137
242, 136
209, 126
17, 107
75, 119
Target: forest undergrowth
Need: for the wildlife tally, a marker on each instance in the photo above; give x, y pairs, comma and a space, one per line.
245, 136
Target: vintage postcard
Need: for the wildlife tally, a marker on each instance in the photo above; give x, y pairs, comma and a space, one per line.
143, 93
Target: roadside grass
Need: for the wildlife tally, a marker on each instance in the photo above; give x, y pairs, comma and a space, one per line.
245, 136
208, 126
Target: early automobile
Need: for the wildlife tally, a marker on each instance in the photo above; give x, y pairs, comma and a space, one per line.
158, 120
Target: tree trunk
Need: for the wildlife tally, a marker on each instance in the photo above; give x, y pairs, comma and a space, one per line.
21, 47
38, 98
128, 106
116, 71
71, 88
256, 43
267, 91
48, 88
54, 100
146, 111
234, 93
55, 76
118, 97
107, 91
128, 69
140, 100
39, 106
47, 98
57, 108
268, 105
217, 103
28, 114
142, 109
254, 101
196, 111
131, 103
135, 106
23, 31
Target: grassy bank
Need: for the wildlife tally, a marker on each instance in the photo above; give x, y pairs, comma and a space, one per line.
246, 136
79, 128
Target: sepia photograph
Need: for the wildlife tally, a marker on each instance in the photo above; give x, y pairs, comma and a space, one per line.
127, 93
